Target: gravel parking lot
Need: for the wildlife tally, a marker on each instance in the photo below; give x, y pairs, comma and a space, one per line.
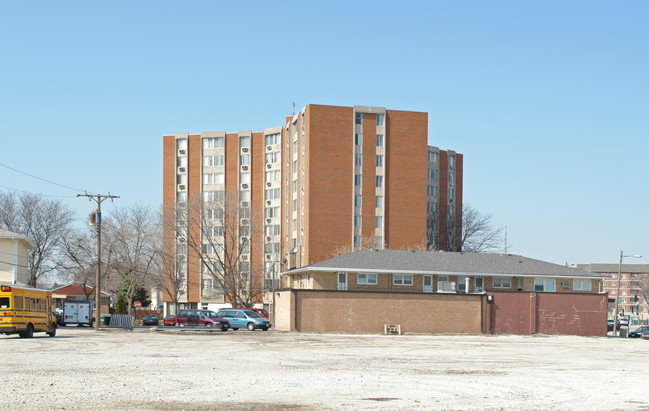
186, 370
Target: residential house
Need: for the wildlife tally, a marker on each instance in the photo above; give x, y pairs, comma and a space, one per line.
441, 292
14, 248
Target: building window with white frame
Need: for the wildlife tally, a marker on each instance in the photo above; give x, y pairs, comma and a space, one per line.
378, 220
358, 139
244, 141
399, 279
379, 140
358, 160
380, 118
379, 160
358, 180
544, 285
366, 279
501, 282
359, 118
379, 202
379, 181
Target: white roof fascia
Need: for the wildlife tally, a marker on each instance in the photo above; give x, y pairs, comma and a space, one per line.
434, 272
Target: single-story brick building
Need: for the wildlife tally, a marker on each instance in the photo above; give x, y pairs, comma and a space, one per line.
441, 292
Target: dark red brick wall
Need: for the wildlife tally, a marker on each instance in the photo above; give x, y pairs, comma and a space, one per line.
548, 313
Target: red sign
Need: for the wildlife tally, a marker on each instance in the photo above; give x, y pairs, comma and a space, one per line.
137, 304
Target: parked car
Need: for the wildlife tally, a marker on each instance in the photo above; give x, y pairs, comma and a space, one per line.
260, 311
637, 333
201, 318
169, 320
244, 318
150, 319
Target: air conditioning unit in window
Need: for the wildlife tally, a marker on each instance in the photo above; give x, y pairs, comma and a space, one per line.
268, 202
245, 204
269, 238
244, 221
269, 220
268, 166
244, 168
268, 184
181, 169
181, 187
244, 149
268, 256
182, 152
268, 148
244, 256
244, 185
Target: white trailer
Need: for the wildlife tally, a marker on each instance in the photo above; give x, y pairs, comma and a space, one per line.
77, 312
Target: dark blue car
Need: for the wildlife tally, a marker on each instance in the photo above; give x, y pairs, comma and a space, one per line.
637, 333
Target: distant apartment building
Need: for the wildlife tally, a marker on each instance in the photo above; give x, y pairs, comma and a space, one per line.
330, 180
633, 278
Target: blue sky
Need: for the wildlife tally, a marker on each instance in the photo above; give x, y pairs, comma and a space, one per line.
548, 101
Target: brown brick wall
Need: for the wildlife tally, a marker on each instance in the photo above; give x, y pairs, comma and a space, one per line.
194, 184
548, 313
257, 188
169, 202
330, 179
367, 312
406, 179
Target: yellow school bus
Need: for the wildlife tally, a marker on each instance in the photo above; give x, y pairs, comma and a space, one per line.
25, 310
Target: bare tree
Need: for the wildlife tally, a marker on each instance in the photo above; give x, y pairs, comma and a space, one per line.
219, 233
475, 234
77, 260
134, 237
45, 222
367, 242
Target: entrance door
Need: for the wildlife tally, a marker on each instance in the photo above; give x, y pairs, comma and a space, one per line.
428, 284
479, 284
342, 281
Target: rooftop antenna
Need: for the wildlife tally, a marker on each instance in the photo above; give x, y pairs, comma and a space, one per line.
293, 108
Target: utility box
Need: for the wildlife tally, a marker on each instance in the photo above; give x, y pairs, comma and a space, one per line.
77, 312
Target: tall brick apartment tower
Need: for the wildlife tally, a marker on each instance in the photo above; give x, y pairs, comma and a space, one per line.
331, 180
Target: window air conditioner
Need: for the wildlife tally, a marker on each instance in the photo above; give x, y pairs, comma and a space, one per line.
244, 204
268, 256
244, 185
268, 184
244, 221
181, 152
181, 186
244, 149
244, 256
268, 166
269, 148
244, 168
268, 202
269, 238
181, 170
269, 220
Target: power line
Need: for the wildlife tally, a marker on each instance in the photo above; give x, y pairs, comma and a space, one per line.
30, 192
39, 178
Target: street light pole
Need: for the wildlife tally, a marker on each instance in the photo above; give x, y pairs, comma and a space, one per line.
617, 293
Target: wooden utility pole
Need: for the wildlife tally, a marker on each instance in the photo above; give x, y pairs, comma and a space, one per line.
99, 198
